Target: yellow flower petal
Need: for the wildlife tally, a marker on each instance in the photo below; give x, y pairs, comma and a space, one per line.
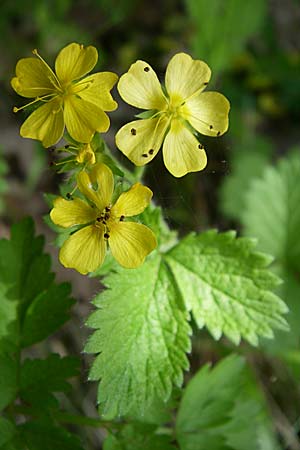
97, 185
208, 113
140, 140
140, 87
182, 152
83, 119
96, 89
74, 61
185, 76
67, 213
45, 124
84, 250
33, 78
130, 243
132, 202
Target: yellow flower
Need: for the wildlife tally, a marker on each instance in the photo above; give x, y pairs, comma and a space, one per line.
68, 99
103, 223
176, 115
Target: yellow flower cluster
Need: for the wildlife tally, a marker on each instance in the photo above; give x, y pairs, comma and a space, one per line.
68, 98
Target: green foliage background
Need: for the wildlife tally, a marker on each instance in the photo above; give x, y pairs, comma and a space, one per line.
251, 184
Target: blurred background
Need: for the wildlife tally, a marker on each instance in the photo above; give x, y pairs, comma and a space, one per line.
253, 49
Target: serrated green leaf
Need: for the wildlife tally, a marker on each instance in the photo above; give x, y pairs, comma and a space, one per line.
223, 409
272, 211
226, 285
142, 338
39, 379
28, 294
136, 437
44, 435
244, 165
50, 308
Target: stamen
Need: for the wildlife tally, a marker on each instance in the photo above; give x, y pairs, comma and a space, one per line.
106, 235
57, 86
37, 99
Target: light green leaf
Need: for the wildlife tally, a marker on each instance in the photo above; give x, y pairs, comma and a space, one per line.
223, 28
39, 379
223, 409
248, 161
138, 436
272, 211
142, 338
226, 285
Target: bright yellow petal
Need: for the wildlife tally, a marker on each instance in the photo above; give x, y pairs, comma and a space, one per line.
97, 185
84, 250
67, 213
45, 124
74, 61
96, 88
132, 202
182, 152
185, 76
33, 78
140, 140
83, 119
130, 243
208, 113
140, 87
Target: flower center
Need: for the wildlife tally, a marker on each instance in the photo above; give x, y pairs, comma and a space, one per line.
174, 106
106, 218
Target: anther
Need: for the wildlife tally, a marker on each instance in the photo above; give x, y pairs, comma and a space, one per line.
122, 218
210, 127
107, 208
200, 146
98, 219
51, 163
68, 195
206, 83
106, 235
144, 155
151, 151
133, 131
218, 133
146, 69
67, 145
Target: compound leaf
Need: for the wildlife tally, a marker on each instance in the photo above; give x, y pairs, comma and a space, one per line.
39, 379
